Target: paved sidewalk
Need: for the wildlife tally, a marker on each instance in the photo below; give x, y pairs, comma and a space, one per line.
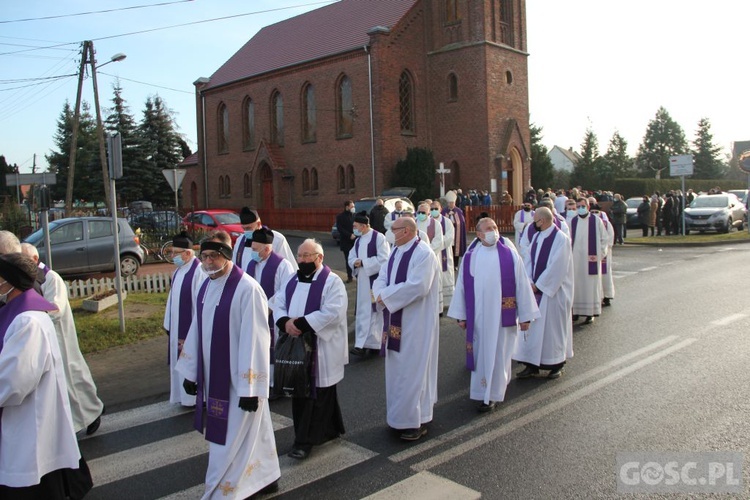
138, 374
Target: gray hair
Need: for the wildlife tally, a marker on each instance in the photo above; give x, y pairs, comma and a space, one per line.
9, 243
30, 250
315, 243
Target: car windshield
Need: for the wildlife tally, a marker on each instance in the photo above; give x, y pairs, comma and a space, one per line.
227, 218
634, 202
365, 205
741, 194
710, 202
37, 235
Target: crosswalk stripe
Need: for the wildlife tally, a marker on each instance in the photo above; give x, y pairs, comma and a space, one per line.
138, 416
328, 459
425, 485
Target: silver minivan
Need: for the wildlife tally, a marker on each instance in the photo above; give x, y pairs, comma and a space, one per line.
86, 244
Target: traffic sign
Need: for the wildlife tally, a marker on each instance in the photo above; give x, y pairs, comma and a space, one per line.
26, 179
680, 165
174, 177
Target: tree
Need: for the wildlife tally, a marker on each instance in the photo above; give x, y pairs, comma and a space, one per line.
590, 170
137, 178
417, 170
542, 171
707, 163
619, 163
664, 138
163, 148
7, 169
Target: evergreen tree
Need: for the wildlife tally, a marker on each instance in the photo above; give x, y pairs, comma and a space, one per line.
590, 169
136, 177
163, 148
542, 171
417, 170
707, 163
620, 164
664, 138
7, 169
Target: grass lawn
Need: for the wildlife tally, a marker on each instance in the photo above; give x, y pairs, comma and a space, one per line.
693, 237
144, 315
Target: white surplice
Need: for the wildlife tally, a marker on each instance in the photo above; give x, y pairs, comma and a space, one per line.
85, 405
436, 243
411, 373
524, 243
520, 219
369, 324
248, 461
587, 299
328, 322
177, 394
549, 340
448, 277
492, 343
608, 282
36, 429
279, 245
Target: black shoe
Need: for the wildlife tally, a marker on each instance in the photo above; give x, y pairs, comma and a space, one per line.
486, 408
271, 488
606, 302
589, 320
527, 372
556, 373
414, 434
575, 317
298, 453
274, 395
357, 351
94, 426
349, 279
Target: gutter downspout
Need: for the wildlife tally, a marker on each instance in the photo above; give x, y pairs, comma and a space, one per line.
205, 156
372, 129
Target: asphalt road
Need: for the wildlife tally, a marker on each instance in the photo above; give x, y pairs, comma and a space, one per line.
663, 369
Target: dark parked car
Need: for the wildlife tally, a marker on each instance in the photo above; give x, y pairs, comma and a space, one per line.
714, 212
167, 222
632, 216
86, 244
389, 197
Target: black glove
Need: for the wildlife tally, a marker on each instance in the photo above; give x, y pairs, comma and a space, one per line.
191, 388
249, 404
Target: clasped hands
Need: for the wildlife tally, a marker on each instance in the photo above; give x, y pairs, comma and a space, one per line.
246, 403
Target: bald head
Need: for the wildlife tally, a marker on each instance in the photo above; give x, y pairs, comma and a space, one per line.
543, 214
30, 250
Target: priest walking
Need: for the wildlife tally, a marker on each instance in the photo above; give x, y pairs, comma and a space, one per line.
549, 340
407, 292
492, 300
368, 255
225, 361
250, 220
456, 216
313, 303
590, 243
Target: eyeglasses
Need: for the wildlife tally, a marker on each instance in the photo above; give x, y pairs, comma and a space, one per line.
421, 212
397, 228
307, 255
211, 256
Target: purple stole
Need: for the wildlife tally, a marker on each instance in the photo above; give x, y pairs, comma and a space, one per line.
557, 222
314, 300
372, 251
29, 300
267, 281
592, 242
508, 313
531, 231
44, 268
217, 401
459, 223
443, 252
431, 229
523, 215
604, 260
392, 321
538, 266
186, 304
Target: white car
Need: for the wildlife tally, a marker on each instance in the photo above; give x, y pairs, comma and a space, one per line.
715, 212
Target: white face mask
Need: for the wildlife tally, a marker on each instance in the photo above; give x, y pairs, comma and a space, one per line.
491, 238
213, 272
390, 237
4, 296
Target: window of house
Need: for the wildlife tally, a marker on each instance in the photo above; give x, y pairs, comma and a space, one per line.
451, 11
406, 103
340, 180
309, 122
224, 187
344, 105
277, 119
452, 87
247, 185
223, 128
248, 124
314, 181
350, 178
305, 182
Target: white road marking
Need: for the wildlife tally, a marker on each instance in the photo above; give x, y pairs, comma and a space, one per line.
728, 319
425, 485
646, 269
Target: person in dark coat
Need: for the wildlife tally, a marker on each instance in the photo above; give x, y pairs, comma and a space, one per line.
644, 215
345, 226
377, 216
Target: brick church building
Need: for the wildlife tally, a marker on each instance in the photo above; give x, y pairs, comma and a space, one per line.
319, 108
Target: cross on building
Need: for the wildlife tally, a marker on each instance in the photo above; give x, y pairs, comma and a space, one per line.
442, 171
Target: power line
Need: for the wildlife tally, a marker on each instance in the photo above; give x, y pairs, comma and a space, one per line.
92, 12
145, 83
21, 80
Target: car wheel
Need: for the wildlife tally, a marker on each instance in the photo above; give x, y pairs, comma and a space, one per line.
129, 265
726, 228
687, 231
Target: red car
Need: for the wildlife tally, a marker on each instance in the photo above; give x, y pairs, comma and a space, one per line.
205, 221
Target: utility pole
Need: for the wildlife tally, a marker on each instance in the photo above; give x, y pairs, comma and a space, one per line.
74, 138
100, 133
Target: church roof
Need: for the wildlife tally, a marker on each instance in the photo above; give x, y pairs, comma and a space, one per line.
329, 30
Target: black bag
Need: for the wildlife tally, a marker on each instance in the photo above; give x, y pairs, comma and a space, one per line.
291, 373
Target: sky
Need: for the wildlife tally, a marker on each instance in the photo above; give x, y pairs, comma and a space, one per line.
596, 64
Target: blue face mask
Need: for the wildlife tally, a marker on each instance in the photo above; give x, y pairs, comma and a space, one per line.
571, 213
434, 212
255, 256
249, 235
582, 211
421, 217
357, 232
177, 261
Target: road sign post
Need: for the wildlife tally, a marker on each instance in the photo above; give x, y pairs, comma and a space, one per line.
174, 177
681, 165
